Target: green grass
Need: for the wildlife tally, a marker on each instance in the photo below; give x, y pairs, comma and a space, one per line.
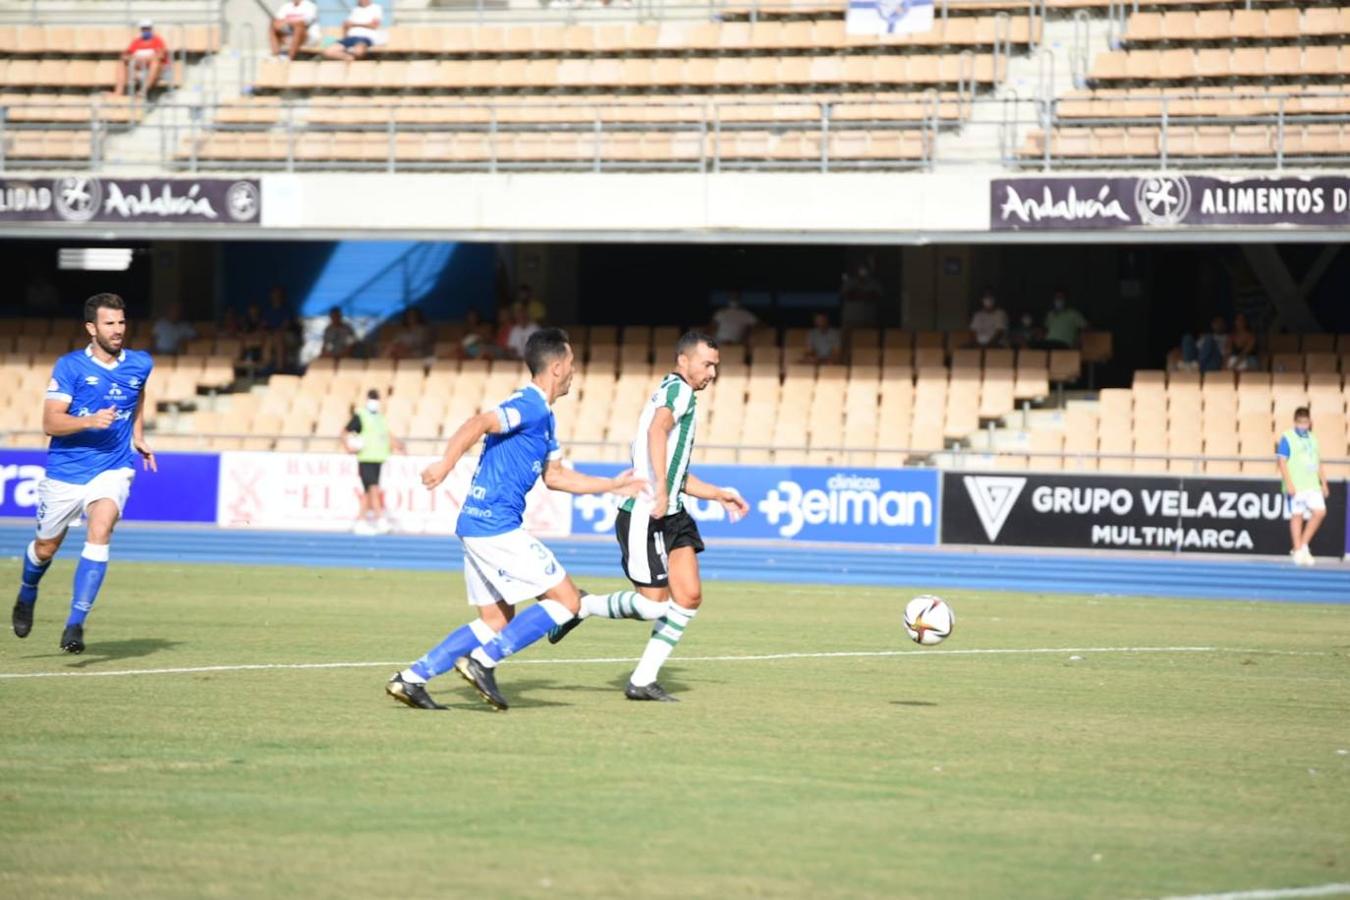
929, 773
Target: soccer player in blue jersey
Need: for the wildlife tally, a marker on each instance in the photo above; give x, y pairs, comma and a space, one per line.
94, 414
503, 564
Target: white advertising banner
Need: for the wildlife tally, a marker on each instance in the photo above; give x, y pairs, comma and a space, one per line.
321, 492
882, 17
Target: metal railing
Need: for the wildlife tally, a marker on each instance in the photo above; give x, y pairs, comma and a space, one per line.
703, 133
114, 12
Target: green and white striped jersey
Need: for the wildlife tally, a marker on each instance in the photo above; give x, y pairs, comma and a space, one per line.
675, 394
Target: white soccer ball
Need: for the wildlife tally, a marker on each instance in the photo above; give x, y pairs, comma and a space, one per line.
928, 620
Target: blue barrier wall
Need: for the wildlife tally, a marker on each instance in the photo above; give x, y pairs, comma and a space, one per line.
183, 490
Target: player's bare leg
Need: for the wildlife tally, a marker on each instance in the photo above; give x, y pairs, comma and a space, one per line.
686, 596
1309, 529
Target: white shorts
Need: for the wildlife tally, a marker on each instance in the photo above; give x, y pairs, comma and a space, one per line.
60, 502
511, 567
1305, 503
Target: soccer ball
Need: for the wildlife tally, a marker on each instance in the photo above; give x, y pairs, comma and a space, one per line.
928, 620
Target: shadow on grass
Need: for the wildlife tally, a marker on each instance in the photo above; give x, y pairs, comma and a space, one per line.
913, 703
111, 651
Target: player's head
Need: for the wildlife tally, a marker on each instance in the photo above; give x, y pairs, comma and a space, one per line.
697, 359
105, 319
548, 355
1302, 418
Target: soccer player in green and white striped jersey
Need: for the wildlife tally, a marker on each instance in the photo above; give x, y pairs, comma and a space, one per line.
658, 538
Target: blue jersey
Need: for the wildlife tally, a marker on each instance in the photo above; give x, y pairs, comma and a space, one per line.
512, 461
89, 386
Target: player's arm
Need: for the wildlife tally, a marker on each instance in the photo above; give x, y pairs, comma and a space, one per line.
465, 437
353, 427
1282, 460
138, 436
729, 497
558, 477
658, 435
1322, 474
58, 422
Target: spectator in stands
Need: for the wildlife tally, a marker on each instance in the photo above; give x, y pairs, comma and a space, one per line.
295, 25
823, 345
253, 335
1207, 352
142, 61
1242, 346
413, 338
360, 32
732, 323
477, 342
535, 306
1063, 323
501, 340
989, 324
339, 338
860, 295
283, 331
520, 332
171, 332
1026, 333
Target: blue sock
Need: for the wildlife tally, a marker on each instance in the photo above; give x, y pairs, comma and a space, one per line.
525, 629
89, 572
460, 642
32, 574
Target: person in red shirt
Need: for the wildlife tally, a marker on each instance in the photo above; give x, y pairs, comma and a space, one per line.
146, 56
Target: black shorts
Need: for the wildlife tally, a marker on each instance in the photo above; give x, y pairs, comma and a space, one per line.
647, 543
370, 474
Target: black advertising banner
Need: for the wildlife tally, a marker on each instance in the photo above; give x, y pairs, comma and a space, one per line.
83, 198
1166, 201
1190, 515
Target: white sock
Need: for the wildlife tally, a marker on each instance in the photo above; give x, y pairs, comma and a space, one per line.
665, 635
622, 605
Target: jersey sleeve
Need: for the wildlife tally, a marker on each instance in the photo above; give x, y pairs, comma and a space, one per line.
354, 426
554, 448
1282, 448
679, 397
62, 383
517, 411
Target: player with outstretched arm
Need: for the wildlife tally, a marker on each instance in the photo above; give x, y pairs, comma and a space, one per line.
658, 539
94, 413
504, 564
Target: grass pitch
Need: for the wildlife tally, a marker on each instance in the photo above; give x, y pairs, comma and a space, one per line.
929, 772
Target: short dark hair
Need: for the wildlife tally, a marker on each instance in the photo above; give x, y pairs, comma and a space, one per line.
545, 345
1302, 413
691, 339
101, 301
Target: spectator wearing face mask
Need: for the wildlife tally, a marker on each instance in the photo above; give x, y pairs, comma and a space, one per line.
367, 435
142, 61
990, 322
1063, 324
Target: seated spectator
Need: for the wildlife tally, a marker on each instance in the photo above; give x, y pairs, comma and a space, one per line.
413, 339
339, 338
171, 332
1207, 352
732, 323
283, 332
502, 336
823, 345
521, 331
253, 334
1242, 346
142, 61
538, 312
295, 25
360, 32
990, 323
477, 342
1063, 323
1026, 333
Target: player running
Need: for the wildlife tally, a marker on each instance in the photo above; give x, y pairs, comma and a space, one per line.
94, 414
503, 564
658, 538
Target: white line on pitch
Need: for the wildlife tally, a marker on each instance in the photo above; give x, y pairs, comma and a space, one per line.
1317, 890
1001, 651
